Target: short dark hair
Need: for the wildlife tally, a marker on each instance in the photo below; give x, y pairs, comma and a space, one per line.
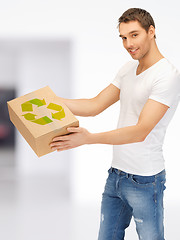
137, 14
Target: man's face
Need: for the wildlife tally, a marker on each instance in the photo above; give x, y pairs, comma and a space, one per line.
135, 39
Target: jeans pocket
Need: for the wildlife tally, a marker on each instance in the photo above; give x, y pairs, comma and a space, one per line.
143, 180
110, 184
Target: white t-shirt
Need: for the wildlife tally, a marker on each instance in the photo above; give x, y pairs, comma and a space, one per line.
160, 82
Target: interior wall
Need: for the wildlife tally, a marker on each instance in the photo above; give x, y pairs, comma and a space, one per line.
28, 65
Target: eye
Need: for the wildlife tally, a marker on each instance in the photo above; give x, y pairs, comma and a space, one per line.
134, 35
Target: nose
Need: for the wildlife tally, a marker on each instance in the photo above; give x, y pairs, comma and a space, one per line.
129, 43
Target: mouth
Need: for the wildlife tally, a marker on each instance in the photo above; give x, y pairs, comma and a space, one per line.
133, 51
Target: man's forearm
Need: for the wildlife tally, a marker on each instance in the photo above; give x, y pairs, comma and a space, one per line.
80, 107
81, 136
93, 106
125, 135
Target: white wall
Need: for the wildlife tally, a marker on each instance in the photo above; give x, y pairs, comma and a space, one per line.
97, 56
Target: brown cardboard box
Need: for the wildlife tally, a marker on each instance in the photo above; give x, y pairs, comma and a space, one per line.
40, 116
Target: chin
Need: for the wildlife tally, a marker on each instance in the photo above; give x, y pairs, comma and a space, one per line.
135, 57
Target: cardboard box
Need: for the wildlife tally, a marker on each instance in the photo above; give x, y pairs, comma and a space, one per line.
40, 116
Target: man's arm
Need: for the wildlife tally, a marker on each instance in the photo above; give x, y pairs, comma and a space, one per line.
93, 106
151, 114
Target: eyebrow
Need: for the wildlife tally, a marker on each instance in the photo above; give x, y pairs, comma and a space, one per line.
129, 33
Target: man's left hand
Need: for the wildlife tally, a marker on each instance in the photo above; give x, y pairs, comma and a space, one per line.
79, 136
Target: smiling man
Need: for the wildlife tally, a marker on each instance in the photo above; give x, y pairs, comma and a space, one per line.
149, 92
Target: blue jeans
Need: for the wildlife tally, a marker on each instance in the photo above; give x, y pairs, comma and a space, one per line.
126, 195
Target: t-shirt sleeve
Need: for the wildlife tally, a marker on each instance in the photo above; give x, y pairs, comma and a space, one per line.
166, 89
118, 78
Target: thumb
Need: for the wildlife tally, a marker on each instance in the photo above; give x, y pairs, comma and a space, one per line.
74, 129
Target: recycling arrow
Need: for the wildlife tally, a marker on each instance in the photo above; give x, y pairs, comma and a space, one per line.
38, 102
41, 121
29, 116
27, 106
60, 114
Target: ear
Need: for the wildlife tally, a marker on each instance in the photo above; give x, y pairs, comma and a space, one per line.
151, 31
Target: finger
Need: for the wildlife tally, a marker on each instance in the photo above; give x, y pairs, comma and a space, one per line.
74, 129
60, 147
60, 138
58, 144
55, 144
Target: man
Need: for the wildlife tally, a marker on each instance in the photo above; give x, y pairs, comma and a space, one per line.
149, 92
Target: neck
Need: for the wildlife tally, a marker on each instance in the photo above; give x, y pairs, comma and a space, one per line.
151, 57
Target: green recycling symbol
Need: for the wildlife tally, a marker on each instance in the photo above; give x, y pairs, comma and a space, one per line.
28, 107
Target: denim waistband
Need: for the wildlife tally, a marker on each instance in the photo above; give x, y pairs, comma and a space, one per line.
120, 172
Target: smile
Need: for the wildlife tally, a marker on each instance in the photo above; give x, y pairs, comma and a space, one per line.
133, 51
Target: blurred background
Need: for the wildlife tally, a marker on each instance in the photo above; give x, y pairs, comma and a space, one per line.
74, 47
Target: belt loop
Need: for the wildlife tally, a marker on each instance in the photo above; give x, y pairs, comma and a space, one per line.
128, 175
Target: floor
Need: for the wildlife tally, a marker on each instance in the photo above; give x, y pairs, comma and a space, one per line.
39, 208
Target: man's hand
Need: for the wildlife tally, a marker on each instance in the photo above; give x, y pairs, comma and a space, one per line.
79, 136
